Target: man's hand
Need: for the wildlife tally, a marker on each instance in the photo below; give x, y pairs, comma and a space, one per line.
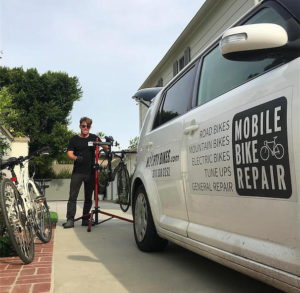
79, 159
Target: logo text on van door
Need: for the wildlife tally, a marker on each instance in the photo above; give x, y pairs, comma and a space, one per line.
260, 150
160, 159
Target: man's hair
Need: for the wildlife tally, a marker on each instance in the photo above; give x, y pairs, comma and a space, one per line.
88, 121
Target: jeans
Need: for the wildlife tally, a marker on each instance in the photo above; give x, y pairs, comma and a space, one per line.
76, 181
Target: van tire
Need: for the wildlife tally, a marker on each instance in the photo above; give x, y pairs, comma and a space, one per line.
145, 233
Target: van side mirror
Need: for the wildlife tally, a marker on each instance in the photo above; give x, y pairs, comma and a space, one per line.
250, 41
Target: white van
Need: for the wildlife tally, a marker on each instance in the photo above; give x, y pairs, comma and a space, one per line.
218, 164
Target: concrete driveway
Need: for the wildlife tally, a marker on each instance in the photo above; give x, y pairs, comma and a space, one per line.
107, 259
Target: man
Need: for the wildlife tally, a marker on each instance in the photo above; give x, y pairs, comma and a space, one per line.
83, 157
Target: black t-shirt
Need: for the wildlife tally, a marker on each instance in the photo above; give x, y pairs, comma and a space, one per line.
79, 145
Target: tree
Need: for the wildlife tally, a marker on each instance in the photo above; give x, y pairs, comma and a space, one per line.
40, 105
4, 146
133, 143
40, 100
7, 113
58, 141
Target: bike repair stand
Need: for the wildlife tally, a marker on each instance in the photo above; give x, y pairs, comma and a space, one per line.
94, 213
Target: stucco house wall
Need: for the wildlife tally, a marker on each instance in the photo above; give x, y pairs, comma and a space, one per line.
19, 146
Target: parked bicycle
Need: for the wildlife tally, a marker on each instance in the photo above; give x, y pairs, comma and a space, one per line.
24, 208
121, 171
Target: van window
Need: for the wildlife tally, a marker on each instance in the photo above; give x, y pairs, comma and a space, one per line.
177, 98
219, 75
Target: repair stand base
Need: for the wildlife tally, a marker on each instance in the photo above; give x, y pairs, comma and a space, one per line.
94, 222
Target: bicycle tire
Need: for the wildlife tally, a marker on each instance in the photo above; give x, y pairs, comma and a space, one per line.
264, 153
18, 226
279, 151
42, 218
123, 187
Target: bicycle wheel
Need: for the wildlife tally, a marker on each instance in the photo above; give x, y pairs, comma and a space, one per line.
123, 186
264, 153
279, 151
42, 218
18, 225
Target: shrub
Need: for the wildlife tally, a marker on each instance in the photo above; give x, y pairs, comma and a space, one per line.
6, 248
54, 217
63, 174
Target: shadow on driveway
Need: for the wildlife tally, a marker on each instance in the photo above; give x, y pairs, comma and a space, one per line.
108, 259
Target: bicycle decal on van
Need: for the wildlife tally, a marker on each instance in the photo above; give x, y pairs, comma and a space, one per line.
260, 150
272, 148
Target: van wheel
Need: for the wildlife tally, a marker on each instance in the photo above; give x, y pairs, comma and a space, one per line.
145, 233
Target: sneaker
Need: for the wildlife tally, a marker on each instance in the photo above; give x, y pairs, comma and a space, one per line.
68, 224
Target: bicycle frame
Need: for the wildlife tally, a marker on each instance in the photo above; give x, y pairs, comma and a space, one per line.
271, 145
25, 208
113, 173
109, 157
22, 186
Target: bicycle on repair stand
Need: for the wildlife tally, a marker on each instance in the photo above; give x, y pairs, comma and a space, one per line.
24, 208
120, 171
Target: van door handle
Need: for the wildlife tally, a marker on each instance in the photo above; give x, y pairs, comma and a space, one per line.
149, 145
190, 129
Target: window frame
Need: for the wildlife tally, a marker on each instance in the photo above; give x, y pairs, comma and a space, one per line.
169, 86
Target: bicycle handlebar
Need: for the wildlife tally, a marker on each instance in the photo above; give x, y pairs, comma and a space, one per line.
13, 161
121, 154
94, 143
9, 162
41, 151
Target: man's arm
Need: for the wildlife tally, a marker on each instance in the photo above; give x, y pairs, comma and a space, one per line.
105, 147
71, 155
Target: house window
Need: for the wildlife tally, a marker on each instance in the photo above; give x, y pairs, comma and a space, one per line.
160, 83
182, 62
